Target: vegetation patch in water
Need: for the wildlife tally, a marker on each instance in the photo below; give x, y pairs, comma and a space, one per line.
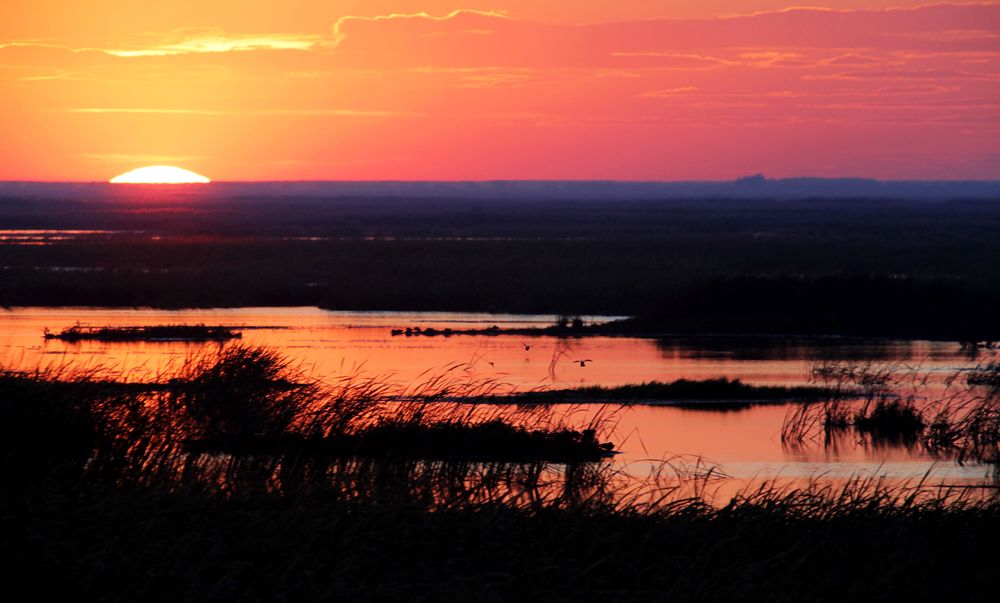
685, 390
959, 419
988, 375
890, 418
145, 333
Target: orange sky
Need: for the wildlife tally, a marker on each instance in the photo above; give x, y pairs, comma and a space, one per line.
655, 90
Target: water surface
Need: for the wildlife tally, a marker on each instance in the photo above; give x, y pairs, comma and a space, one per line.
745, 442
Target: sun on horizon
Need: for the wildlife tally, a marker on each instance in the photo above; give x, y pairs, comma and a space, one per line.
160, 174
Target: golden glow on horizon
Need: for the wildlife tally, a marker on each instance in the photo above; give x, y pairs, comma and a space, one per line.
160, 174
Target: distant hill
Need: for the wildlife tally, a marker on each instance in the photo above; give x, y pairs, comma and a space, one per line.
752, 187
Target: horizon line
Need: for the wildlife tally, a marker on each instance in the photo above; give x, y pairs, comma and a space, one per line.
756, 178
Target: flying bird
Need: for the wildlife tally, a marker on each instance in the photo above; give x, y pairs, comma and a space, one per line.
583, 362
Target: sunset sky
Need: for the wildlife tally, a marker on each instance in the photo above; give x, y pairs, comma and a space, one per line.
525, 89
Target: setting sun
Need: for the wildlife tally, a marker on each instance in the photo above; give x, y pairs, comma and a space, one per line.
160, 174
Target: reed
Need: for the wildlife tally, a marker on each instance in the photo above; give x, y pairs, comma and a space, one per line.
376, 539
243, 402
143, 514
960, 418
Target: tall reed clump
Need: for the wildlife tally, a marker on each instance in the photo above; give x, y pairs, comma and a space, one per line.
959, 415
144, 514
874, 399
246, 415
970, 424
858, 540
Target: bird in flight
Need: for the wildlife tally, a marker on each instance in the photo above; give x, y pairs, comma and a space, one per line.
583, 362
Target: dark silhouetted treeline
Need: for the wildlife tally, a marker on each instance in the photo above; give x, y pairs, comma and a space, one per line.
850, 305
866, 267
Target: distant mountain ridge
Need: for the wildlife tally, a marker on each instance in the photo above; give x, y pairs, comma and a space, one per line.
751, 187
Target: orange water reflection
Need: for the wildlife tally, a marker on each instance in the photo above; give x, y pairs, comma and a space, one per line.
745, 443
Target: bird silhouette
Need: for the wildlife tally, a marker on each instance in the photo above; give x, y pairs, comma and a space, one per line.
583, 362
526, 347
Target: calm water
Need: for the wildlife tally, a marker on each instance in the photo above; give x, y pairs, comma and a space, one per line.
746, 443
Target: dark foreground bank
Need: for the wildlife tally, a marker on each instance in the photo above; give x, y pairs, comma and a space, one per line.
107, 496
124, 545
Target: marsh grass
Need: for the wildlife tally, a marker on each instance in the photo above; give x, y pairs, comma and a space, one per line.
958, 417
987, 375
380, 537
890, 420
247, 409
143, 516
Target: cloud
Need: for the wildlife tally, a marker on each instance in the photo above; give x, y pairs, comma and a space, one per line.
224, 112
854, 59
772, 58
671, 60
905, 74
421, 23
467, 37
671, 92
198, 41
787, 38
182, 42
948, 34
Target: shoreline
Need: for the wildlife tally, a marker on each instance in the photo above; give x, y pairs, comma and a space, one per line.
633, 327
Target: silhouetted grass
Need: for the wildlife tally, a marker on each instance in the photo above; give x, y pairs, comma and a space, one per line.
45, 425
858, 541
890, 420
491, 441
988, 375
141, 515
899, 406
251, 401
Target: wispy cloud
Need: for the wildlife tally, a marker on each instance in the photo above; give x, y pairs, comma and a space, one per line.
905, 74
675, 60
187, 41
198, 43
223, 112
339, 27
670, 92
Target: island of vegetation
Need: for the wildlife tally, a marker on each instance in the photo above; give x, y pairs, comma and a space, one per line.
145, 333
685, 392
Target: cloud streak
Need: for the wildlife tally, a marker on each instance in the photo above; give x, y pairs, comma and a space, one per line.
224, 112
183, 42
